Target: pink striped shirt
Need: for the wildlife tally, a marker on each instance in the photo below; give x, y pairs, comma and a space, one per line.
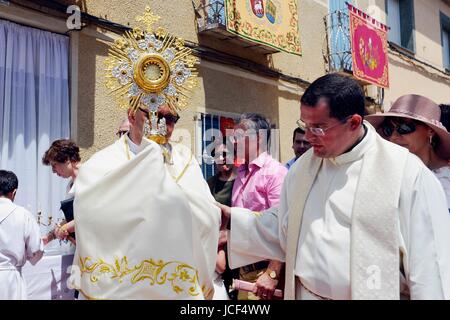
260, 187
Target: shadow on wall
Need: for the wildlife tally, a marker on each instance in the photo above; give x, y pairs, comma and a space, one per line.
421, 71
86, 85
238, 92
89, 49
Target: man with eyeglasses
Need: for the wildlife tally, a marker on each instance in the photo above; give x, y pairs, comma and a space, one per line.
257, 187
359, 217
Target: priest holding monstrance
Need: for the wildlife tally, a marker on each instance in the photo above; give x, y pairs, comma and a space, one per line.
143, 232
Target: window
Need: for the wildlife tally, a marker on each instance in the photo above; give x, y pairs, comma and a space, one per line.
400, 18
34, 111
207, 122
445, 37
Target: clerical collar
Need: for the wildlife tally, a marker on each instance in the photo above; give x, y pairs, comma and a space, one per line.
357, 150
359, 140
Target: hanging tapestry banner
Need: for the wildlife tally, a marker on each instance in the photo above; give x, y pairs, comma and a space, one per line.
271, 22
369, 48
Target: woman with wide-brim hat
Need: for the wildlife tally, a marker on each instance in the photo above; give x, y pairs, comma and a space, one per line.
413, 122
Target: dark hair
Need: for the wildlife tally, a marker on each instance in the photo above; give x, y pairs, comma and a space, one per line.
259, 122
297, 130
445, 115
8, 182
344, 95
61, 151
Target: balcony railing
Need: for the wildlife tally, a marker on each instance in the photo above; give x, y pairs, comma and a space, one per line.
338, 51
211, 20
211, 15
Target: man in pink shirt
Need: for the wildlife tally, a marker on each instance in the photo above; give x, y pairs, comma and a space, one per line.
257, 187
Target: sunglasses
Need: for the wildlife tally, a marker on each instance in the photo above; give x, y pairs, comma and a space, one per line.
170, 118
402, 128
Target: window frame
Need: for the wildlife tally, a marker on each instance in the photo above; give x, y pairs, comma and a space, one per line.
445, 25
411, 51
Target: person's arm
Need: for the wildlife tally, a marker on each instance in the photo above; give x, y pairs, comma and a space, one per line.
50, 236
268, 281
221, 262
427, 240
275, 185
34, 246
256, 236
253, 236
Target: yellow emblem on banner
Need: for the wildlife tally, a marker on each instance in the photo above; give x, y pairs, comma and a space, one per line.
272, 22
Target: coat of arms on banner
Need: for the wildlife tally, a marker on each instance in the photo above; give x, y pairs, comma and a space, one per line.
271, 12
272, 22
258, 8
369, 48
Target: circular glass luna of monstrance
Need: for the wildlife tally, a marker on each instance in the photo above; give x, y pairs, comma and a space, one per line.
152, 73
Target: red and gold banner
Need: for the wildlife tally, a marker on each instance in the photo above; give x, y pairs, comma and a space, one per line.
272, 22
369, 48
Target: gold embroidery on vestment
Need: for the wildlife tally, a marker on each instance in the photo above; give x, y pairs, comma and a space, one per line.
181, 276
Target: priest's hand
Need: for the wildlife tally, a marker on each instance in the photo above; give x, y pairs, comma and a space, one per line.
226, 215
265, 286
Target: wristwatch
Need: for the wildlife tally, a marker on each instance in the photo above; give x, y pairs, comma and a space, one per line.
272, 274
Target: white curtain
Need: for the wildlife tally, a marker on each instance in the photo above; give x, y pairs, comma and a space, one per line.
34, 111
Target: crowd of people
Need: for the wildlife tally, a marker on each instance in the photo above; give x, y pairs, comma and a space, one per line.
360, 212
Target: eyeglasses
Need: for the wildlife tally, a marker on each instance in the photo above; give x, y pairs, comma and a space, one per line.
170, 118
317, 131
402, 128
